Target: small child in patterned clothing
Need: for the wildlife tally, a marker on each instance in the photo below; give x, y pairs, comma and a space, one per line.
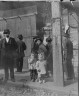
41, 67
32, 67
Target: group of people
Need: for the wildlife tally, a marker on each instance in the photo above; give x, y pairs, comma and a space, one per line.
10, 49
41, 58
40, 62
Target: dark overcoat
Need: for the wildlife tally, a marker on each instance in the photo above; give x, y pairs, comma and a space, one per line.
21, 47
8, 50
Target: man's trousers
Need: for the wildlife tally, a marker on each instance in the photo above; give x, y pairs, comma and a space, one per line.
8, 65
19, 64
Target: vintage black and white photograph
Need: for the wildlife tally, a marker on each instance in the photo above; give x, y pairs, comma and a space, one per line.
39, 47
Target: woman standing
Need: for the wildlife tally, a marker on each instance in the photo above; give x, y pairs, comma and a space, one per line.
49, 57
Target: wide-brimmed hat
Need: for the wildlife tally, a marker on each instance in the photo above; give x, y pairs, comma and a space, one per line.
39, 40
35, 37
40, 51
6, 31
48, 39
67, 34
20, 36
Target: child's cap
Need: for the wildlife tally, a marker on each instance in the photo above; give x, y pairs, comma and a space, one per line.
48, 39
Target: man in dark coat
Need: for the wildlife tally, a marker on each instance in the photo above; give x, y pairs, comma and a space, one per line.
8, 46
21, 47
69, 56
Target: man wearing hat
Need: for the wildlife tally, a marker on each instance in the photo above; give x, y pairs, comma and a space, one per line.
8, 46
68, 53
20, 50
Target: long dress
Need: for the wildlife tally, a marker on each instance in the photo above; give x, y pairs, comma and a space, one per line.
7, 56
49, 58
41, 66
69, 50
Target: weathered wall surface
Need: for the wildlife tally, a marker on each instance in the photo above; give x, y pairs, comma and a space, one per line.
43, 10
25, 25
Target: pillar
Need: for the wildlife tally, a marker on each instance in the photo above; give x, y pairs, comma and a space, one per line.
78, 52
57, 42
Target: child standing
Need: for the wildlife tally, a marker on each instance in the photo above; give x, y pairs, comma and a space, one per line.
41, 66
32, 67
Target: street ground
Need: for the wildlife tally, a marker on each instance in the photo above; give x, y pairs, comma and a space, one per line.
24, 87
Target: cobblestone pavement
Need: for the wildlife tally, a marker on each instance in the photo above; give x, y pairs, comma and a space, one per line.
22, 90
8, 90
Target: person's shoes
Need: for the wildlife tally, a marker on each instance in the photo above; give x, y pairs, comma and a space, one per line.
43, 81
40, 81
13, 80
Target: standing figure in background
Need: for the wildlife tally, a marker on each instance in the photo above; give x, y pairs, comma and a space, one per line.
69, 56
20, 51
8, 47
49, 57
